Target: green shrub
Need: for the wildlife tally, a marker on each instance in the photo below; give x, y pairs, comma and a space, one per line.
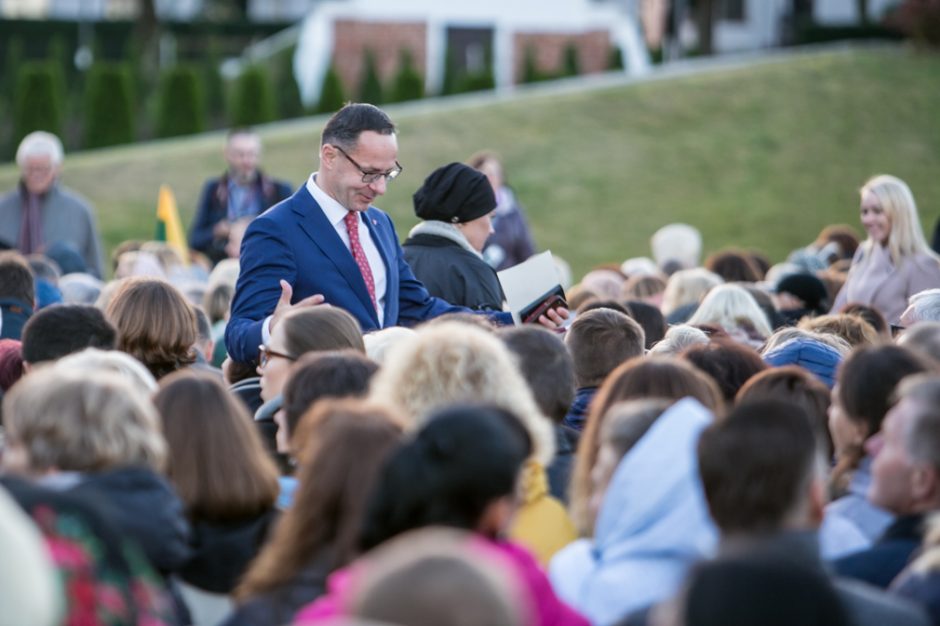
408, 84
214, 85
181, 108
109, 117
571, 65
38, 101
530, 71
253, 99
370, 87
449, 86
615, 58
332, 96
289, 104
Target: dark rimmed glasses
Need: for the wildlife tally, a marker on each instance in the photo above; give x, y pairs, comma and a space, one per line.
370, 177
265, 353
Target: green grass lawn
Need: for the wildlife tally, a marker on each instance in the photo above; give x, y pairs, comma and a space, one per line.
760, 156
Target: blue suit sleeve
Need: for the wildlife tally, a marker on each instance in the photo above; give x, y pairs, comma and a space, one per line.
265, 260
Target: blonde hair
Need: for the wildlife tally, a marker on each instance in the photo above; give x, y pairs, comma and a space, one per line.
82, 421
678, 338
688, 287
906, 237
114, 361
451, 363
728, 306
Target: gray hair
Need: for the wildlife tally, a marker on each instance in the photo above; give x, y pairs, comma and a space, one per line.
922, 438
40, 143
926, 305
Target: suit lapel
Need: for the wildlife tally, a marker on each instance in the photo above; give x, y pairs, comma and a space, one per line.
317, 227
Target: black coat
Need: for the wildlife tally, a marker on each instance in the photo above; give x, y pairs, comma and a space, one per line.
453, 273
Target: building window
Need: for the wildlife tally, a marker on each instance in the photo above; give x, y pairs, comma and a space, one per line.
732, 10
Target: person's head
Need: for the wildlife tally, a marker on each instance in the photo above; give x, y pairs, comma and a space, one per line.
732, 308
339, 466
358, 155
638, 378
677, 339
155, 324
650, 318
491, 166
546, 365
61, 419
923, 338
217, 301
114, 361
16, 278
242, 153
802, 291
906, 469
733, 266
795, 385
761, 469
852, 328
451, 363
216, 460
204, 344
678, 243
316, 329
837, 241
63, 329
80, 288
729, 363
645, 288
744, 590
687, 287
624, 425
863, 392
436, 577
39, 157
460, 195
460, 471
599, 340
923, 306
889, 216
319, 375
380, 342
871, 315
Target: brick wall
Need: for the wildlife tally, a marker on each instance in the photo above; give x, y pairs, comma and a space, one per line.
385, 40
549, 48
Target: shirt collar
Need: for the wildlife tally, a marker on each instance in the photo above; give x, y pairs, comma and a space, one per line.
334, 211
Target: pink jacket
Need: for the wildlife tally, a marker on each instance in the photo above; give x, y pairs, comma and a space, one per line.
544, 607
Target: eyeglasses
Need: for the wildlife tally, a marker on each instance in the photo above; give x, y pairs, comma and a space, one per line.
370, 177
265, 353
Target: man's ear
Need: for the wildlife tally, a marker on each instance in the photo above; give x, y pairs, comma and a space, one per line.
327, 156
925, 484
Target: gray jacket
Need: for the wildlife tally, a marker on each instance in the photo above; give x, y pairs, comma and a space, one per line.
66, 217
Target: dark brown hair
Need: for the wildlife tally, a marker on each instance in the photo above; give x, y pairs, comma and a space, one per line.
155, 324
793, 384
321, 328
337, 472
217, 462
755, 465
729, 363
733, 265
599, 340
16, 278
642, 377
545, 364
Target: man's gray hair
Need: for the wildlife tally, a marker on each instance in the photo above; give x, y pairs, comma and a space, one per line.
926, 305
922, 439
40, 143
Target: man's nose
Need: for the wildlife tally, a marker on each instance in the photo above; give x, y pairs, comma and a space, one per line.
379, 186
874, 445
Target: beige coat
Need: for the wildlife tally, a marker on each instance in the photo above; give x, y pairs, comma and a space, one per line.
879, 282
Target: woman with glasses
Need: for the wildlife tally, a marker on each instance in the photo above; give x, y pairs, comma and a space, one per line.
895, 261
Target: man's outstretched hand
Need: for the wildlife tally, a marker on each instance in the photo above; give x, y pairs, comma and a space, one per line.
554, 319
284, 306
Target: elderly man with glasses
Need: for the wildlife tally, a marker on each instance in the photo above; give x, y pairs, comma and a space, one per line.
327, 243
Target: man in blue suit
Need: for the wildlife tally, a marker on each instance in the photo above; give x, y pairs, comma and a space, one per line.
327, 243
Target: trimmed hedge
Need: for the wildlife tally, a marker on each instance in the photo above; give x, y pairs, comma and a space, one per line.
408, 84
370, 87
332, 96
38, 101
253, 100
181, 107
571, 64
289, 104
109, 107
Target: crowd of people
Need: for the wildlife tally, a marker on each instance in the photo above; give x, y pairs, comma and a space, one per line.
319, 424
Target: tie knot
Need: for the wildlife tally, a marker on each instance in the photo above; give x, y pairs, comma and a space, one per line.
351, 219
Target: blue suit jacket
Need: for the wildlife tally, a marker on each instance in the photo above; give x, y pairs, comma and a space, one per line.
294, 241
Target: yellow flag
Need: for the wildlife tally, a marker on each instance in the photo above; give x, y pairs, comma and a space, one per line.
169, 228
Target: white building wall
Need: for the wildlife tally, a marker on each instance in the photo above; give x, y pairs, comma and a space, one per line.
760, 28
845, 12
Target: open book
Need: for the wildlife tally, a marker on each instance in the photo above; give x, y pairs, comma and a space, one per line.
532, 287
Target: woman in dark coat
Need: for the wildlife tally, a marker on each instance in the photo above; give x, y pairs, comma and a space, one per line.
445, 250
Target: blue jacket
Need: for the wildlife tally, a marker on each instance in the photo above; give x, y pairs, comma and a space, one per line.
295, 241
652, 526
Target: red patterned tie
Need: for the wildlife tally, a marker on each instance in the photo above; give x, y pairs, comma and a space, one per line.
352, 227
